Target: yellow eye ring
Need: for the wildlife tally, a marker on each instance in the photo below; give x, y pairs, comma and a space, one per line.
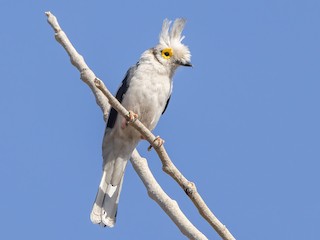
167, 53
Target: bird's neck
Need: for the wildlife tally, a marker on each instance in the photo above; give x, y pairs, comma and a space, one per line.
151, 62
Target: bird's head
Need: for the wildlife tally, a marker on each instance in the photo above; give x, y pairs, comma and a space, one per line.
170, 51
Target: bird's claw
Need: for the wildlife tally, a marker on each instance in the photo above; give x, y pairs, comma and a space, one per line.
159, 141
130, 118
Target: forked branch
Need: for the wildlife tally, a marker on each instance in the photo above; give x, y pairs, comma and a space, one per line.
103, 98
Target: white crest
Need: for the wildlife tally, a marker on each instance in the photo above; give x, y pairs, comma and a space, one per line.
172, 36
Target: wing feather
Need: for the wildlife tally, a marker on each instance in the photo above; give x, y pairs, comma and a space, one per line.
165, 108
120, 94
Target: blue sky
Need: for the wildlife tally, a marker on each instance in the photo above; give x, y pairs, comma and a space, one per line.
243, 124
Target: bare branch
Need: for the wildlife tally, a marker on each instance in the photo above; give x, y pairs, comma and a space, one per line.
139, 164
155, 192
77, 60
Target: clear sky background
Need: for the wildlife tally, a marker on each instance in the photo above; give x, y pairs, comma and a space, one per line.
243, 124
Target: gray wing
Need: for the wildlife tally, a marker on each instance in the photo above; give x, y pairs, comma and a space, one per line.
121, 91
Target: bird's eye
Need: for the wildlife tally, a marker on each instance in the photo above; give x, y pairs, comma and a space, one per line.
167, 53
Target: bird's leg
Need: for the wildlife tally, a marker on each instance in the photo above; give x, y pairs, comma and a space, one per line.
130, 118
159, 142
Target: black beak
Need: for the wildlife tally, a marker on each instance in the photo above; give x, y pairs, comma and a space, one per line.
186, 64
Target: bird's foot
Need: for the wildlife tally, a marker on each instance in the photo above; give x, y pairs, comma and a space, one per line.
159, 142
130, 118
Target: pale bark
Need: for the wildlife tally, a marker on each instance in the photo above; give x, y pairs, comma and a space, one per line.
103, 98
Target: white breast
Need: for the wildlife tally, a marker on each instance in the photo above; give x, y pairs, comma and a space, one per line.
147, 95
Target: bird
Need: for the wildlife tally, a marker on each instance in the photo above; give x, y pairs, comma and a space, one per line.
145, 91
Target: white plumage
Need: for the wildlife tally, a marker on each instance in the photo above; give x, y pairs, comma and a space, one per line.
146, 91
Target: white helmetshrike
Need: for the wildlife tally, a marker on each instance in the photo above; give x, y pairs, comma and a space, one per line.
146, 91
